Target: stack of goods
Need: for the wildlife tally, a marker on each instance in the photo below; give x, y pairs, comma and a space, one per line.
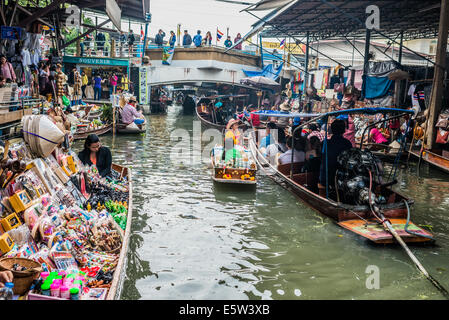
236, 163
66, 218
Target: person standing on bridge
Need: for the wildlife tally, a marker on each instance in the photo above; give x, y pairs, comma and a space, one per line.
198, 39
208, 39
172, 40
187, 39
228, 42
237, 39
159, 39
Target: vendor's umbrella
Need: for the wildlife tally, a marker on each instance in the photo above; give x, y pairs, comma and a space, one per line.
260, 82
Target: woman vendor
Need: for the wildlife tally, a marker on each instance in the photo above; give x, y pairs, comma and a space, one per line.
96, 154
232, 131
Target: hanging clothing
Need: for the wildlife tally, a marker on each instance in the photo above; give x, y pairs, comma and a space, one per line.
377, 87
26, 57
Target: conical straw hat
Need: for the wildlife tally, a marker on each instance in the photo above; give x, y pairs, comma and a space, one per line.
50, 136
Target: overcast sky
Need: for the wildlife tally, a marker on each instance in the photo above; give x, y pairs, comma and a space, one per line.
204, 15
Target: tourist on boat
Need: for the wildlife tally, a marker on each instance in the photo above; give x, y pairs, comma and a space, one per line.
232, 131
237, 39
315, 132
350, 130
254, 118
96, 154
130, 114
335, 145
313, 155
228, 42
298, 152
187, 39
268, 139
198, 39
277, 148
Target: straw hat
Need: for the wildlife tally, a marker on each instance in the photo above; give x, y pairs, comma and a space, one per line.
45, 135
284, 106
231, 123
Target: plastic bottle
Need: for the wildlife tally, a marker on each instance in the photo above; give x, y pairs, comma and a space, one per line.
45, 288
44, 275
74, 293
55, 290
64, 292
6, 293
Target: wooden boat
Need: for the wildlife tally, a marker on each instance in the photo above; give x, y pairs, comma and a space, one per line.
119, 273
355, 218
206, 119
82, 134
131, 128
439, 161
233, 175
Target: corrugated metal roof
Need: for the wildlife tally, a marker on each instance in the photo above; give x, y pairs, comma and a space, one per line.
328, 19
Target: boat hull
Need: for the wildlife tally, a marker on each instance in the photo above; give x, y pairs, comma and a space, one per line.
83, 134
436, 160
119, 273
206, 123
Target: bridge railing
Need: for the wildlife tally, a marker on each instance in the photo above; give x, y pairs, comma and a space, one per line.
122, 49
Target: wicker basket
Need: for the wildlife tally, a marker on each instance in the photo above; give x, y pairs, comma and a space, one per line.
22, 279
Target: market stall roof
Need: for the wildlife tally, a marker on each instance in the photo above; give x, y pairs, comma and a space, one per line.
330, 19
131, 9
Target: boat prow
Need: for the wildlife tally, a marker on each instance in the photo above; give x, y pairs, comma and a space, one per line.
131, 128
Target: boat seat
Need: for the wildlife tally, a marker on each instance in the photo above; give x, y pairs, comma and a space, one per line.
308, 179
285, 168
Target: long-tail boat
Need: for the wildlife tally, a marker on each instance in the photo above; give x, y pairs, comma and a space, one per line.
357, 218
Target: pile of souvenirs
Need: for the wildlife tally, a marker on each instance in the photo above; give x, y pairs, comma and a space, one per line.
65, 217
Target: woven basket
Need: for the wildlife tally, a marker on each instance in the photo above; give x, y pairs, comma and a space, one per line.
22, 279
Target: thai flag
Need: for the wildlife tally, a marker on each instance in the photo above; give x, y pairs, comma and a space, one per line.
282, 44
219, 34
142, 35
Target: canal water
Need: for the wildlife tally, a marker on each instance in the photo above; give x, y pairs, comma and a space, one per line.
193, 240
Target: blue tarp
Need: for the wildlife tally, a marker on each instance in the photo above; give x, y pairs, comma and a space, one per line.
377, 87
268, 72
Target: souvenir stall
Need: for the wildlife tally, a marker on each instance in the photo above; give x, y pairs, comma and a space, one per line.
63, 228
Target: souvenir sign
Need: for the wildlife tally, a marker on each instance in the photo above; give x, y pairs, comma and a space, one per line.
10, 222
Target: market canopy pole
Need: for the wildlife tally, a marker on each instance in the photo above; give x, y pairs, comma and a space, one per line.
366, 61
438, 78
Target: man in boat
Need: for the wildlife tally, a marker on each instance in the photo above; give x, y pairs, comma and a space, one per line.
335, 145
96, 154
130, 114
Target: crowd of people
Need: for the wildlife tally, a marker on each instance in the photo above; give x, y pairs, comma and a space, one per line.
198, 40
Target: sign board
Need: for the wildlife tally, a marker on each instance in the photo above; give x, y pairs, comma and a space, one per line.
96, 61
289, 47
11, 33
114, 13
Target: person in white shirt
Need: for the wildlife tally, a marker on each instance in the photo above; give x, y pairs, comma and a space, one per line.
298, 154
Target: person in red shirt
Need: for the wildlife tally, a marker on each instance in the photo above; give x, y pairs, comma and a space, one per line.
254, 118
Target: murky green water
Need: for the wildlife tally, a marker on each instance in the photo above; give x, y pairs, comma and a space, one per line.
191, 240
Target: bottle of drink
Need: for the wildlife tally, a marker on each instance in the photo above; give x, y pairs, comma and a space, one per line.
6, 292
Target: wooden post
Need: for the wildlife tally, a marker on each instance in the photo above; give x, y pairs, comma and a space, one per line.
438, 78
306, 66
366, 60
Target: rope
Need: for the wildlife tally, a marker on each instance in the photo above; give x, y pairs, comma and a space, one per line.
408, 221
36, 135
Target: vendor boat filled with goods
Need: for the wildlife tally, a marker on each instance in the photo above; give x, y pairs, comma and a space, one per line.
358, 200
86, 120
235, 166
64, 229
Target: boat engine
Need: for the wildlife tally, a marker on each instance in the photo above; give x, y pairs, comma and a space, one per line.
353, 178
